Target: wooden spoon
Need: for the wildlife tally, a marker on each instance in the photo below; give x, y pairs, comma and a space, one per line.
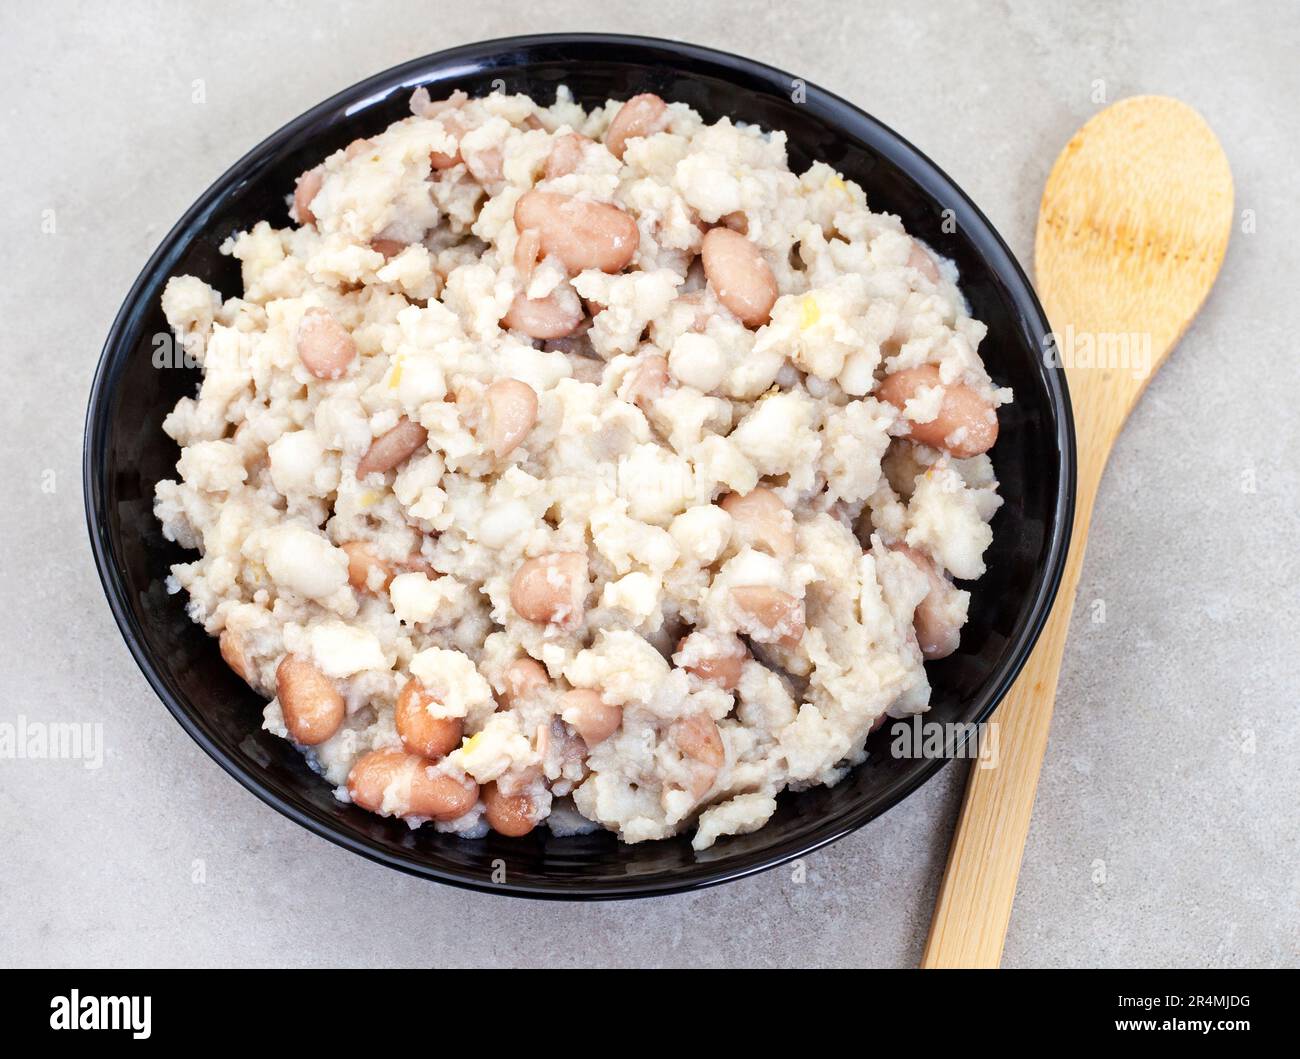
1132, 230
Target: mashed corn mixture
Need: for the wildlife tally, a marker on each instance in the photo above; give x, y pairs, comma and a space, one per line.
586, 468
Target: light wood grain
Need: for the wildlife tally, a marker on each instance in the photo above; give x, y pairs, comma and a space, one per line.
1132, 230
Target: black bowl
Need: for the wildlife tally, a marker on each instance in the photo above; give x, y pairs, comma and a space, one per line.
126, 453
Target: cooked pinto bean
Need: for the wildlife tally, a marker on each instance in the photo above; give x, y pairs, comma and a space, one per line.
698, 738
557, 315
582, 234
324, 345
440, 160
232, 652
416, 563
923, 263
641, 115
773, 616
312, 706
391, 448
390, 248
590, 715
527, 247
737, 222
565, 156
723, 669
740, 277
421, 732
304, 193
551, 588
486, 165
649, 379
509, 412
938, 633
764, 523
966, 425
366, 571
439, 796
523, 678
511, 815
372, 774
394, 783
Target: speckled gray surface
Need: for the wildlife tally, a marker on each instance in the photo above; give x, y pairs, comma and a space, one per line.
1166, 825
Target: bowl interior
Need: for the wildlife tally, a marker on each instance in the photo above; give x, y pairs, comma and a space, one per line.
127, 453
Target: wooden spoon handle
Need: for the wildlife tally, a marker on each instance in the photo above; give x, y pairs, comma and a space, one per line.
979, 884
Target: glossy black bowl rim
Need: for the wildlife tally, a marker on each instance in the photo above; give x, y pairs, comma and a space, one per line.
884, 141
